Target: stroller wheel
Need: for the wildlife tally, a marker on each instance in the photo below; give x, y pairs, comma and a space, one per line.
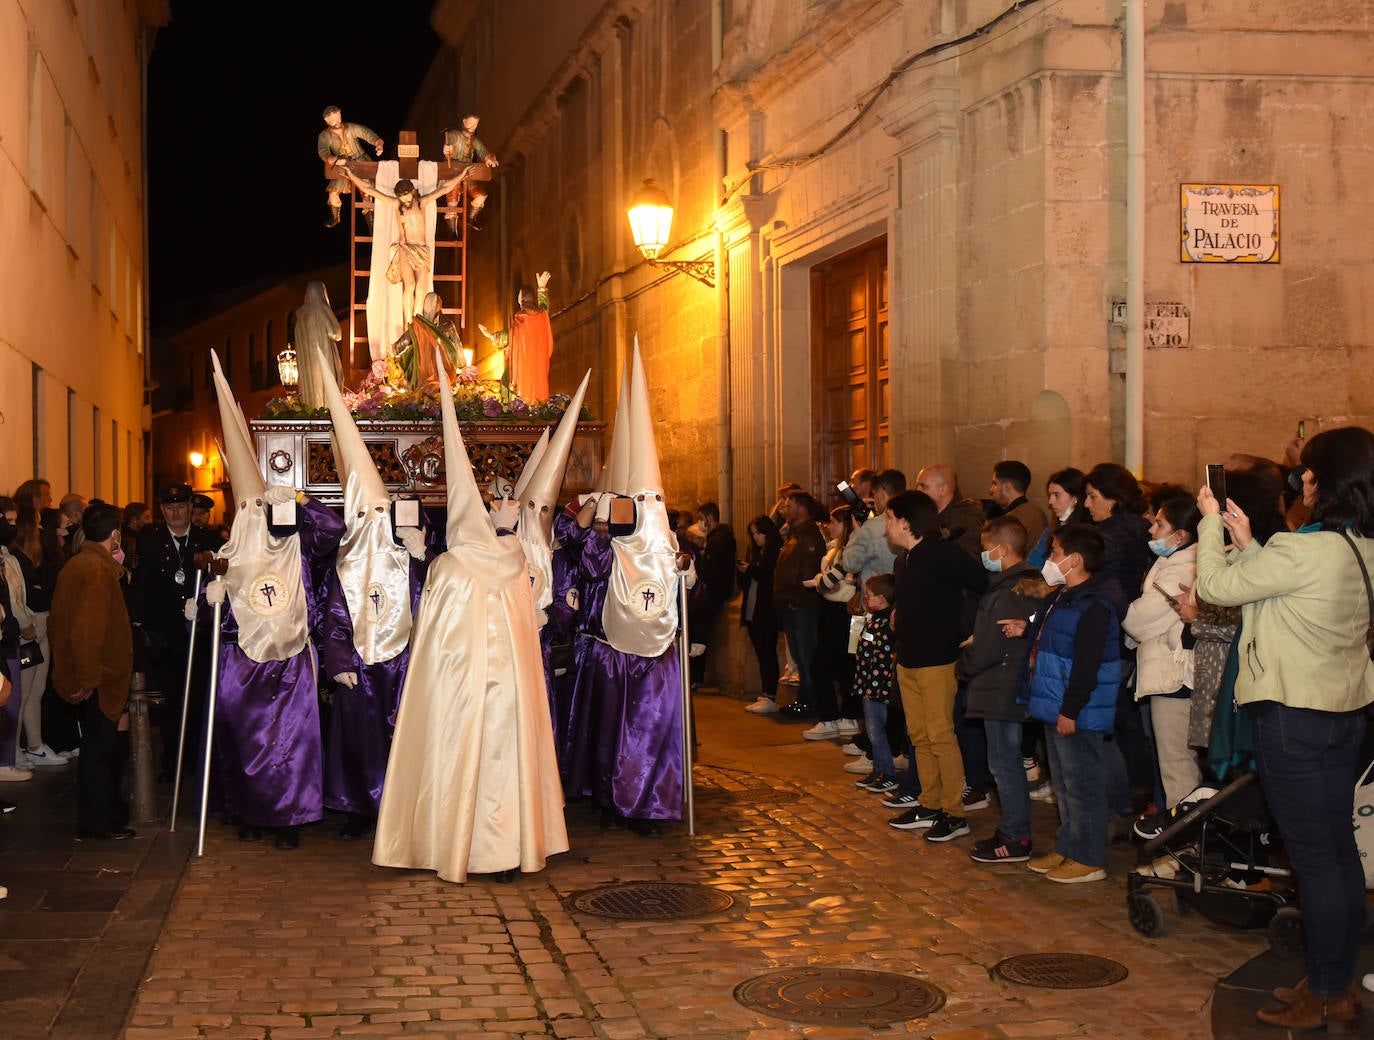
1178, 902
1146, 915
1285, 934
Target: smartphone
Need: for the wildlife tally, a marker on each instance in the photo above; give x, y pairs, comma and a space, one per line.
1302, 429
1173, 601
1216, 480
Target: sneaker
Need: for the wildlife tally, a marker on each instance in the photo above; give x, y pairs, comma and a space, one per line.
872, 777
42, 755
1071, 872
4, 892
917, 818
1152, 824
763, 706
7, 807
859, 765
947, 828
821, 731
882, 785
975, 798
848, 727
1044, 864
1368, 982
901, 800
693, 650
1032, 768
1001, 849
15, 774
853, 750
901, 764
1044, 793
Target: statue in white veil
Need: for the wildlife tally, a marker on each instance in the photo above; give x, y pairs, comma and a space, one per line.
317, 329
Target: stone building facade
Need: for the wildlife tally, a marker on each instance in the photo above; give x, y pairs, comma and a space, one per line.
919, 214
73, 325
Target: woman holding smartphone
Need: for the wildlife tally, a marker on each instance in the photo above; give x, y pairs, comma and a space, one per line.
1306, 678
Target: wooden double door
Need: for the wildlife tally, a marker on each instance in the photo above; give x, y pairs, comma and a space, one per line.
849, 365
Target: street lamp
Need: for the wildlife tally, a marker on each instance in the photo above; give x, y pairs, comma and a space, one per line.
287, 369
197, 460
651, 219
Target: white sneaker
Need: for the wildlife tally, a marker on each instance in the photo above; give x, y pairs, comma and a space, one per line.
763, 706
73, 754
1044, 793
15, 774
42, 755
1032, 768
696, 649
1368, 982
821, 731
863, 766
848, 727
853, 750
901, 764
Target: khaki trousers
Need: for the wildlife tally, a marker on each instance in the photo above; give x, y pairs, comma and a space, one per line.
928, 702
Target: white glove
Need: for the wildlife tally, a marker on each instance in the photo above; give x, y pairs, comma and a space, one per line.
277, 494
349, 679
189, 610
505, 512
414, 541
215, 592
690, 575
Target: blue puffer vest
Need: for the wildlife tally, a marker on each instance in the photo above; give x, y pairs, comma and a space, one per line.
1044, 691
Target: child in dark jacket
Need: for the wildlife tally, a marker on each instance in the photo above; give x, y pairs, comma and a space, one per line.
990, 670
875, 677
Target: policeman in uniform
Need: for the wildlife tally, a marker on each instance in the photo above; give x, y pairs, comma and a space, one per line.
162, 583
201, 508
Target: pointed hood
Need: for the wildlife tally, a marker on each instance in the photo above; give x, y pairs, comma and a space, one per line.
363, 489
531, 464
644, 474
538, 502
239, 454
468, 521
617, 472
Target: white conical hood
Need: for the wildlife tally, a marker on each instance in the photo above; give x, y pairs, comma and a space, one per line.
644, 475
531, 464
240, 457
617, 473
541, 494
468, 521
363, 489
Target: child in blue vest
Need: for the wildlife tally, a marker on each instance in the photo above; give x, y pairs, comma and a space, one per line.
1072, 675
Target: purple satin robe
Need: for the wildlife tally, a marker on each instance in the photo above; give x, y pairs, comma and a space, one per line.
623, 742
268, 755
357, 740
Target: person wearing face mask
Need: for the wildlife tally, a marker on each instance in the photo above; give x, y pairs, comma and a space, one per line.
93, 661
1073, 672
1164, 666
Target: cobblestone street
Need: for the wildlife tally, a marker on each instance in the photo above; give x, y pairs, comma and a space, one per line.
319, 943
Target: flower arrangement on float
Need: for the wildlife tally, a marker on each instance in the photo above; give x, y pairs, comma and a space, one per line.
383, 395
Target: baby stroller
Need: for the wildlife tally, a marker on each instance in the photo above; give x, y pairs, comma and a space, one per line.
1213, 856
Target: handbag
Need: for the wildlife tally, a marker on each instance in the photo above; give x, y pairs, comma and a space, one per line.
30, 654
1364, 825
1368, 593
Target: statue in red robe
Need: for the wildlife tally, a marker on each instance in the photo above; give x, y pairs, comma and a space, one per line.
528, 342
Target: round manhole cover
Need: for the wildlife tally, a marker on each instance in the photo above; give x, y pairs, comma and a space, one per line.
840, 996
652, 901
1061, 970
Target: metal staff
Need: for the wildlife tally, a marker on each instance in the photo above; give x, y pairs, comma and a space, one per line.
185, 701
217, 567
684, 649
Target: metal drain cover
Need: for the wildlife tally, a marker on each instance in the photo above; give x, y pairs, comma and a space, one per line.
1061, 970
840, 996
653, 901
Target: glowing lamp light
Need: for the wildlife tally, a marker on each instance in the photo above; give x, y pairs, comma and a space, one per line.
287, 369
651, 219
467, 357
197, 460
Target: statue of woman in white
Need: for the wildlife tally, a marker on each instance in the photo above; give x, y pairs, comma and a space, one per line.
316, 329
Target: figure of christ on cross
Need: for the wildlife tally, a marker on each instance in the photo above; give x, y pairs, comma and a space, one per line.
410, 259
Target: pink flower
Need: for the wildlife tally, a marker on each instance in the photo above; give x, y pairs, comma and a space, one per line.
491, 407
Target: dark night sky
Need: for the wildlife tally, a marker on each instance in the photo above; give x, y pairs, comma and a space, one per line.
235, 93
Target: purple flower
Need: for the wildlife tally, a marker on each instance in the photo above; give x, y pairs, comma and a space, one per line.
519, 408
368, 408
491, 407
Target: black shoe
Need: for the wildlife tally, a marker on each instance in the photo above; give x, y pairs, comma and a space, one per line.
475, 221
915, 819
947, 828
645, 828
975, 798
797, 711
7, 807
247, 833
333, 220
118, 834
1000, 849
288, 838
354, 828
505, 877
901, 800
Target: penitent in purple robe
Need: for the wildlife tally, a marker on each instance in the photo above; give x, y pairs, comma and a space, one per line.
623, 744
267, 719
357, 740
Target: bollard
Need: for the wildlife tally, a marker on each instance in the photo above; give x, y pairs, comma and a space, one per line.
141, 751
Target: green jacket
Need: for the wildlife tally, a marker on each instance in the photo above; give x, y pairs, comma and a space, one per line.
1303, 616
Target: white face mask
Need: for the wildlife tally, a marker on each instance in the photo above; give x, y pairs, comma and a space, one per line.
1052, 574
1064, 516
